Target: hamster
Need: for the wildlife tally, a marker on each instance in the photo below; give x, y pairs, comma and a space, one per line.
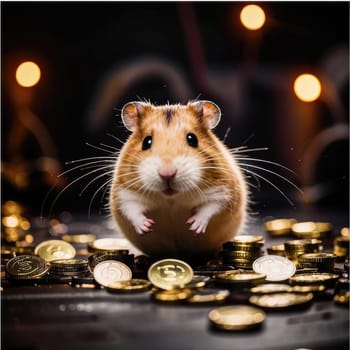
177, 191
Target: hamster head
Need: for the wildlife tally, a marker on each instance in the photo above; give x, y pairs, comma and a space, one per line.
171, 149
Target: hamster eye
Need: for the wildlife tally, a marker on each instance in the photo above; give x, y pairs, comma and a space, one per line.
146, 143
192, 140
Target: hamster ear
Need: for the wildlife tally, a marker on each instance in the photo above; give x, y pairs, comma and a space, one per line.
130, 114
209, 112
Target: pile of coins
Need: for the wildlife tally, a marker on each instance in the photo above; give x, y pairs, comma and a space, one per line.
242, 282
242, 251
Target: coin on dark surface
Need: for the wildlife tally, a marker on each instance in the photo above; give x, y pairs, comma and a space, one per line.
170, 273
120, 245
240, 277
109, 271
172, 295
276, 268
129, 286
279, 227
26, 267
342, 298
55, 249
313, 278
270, 288
236, 317
280, 300
313, 288
198, 281
209, 295
310, 229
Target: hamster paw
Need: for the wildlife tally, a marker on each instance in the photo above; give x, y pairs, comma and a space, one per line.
198, 223
143, 225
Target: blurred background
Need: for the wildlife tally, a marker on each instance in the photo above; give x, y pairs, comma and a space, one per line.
92, 57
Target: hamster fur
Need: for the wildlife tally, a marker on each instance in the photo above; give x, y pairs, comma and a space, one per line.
177, 191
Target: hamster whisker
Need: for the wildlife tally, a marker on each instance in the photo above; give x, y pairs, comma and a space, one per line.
94, 179
97, 163
116, 138
105, 184
244, 149
265, 161
274, 173
270, 183
91, 158
109, 146
100, 148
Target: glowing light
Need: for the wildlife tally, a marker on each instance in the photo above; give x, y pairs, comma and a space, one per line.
307, 87
253, 17
10, 221
28, 74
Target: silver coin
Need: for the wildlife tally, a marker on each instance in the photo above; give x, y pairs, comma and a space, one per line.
109, 271
275, 267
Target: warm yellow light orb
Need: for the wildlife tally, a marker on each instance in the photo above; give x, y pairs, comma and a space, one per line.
307, 87
28, 74
253, 17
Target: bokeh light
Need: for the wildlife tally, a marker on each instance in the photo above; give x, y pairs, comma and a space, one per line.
28, 74
307, 87
253, 17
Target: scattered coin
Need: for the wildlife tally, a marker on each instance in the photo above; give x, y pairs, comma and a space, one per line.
170, 273
172, 295
342, 298
279, 227
109, 271
26, 267
280, 300
209, 295
313, 278
311, 229
276, 268
55, 249
240, 277
236, 317
270, 288
129, 286
198, 281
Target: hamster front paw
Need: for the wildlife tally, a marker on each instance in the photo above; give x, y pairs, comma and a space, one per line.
198, 223
143, 225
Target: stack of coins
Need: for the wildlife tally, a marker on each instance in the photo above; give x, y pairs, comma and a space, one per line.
242, 251
297, 247
279, 227
320, 261
311, 229
69, 267
341, 247
118, 255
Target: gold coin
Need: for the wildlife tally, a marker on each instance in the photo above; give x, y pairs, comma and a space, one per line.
270, 288
121, 245
133, 285
313, 278
79, 238
172, 295
310, 229
198, 281
240, 277
317, 257
280, 300
279, 227
300, 244
276, 250
209, 295
248, 239
26, 267
236, 317
345, 232
170, 273
54, 250
342, 298
315, 288
110, 271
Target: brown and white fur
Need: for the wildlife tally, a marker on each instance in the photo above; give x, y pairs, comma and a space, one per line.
177, 190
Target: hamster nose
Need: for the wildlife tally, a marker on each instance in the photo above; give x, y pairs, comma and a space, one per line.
167, 173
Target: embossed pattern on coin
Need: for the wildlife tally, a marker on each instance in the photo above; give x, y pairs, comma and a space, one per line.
109, 271
55, 249
236, 317
276, 268
26, 267
170, 273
